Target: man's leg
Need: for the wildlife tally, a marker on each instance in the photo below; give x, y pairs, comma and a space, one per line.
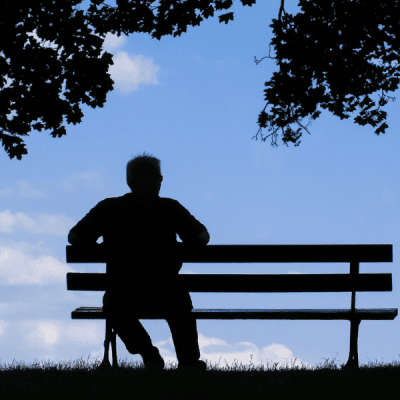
130, 330
133, 335
184, 335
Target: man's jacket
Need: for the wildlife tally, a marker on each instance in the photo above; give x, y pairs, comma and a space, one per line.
138, 232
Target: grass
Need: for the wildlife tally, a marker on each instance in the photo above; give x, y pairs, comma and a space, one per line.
81, 379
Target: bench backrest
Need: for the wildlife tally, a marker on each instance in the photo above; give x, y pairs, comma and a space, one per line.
354, 281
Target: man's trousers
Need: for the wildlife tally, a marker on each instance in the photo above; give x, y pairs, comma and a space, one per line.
176, 308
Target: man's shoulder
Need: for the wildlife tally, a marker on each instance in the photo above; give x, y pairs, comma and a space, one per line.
129, 197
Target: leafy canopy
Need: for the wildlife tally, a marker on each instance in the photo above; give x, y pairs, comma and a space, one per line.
324, 53
38, 73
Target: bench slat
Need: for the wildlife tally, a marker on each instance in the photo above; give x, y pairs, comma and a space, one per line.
252, 253
310, 314
236, 283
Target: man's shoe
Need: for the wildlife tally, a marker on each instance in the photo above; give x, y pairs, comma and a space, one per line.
198, 366
153, 360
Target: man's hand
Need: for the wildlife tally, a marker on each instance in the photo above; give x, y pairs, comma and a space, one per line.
201, 240
203, 237
75, 240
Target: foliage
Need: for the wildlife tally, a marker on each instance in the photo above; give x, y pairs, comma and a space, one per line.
39, 72
173, 16
324, 55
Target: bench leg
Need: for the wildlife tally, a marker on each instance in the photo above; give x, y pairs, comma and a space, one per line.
352, 362
114, 348
106, 362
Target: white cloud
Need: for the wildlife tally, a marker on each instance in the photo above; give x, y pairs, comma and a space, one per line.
43, 223
46, 333
51, 341
214, 351
18, 267
112, 41
129, 71
4, 325
55, 337
84, 332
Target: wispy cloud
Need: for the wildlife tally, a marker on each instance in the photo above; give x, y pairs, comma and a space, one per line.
92, 180
7, 192
43, 223
18, 267
27, 190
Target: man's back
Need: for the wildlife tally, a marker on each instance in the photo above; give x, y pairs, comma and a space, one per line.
132, 227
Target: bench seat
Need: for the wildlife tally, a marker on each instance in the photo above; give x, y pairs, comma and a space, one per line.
253, 313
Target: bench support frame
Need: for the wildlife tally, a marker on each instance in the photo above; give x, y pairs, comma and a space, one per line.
111, 337
352, 362
354, 319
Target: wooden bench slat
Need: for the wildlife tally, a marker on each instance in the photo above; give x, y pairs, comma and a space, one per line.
251, 283
299, 314
252, 253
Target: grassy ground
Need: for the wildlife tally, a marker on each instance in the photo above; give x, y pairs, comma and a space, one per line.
82, 380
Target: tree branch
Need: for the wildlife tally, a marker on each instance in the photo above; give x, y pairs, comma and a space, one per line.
268, 56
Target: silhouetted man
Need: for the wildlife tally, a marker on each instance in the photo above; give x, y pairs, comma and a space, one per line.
140, 228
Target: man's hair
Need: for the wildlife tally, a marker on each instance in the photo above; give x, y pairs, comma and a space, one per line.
143, 170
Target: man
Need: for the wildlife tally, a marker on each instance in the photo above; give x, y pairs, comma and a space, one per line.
139, 229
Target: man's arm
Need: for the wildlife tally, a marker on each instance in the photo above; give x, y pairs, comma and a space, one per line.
74, 239
88, 230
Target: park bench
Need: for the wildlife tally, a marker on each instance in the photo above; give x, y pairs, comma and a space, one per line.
352, 282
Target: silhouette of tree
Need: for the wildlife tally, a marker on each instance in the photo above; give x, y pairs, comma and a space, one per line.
324, 56
327, 56
39, 72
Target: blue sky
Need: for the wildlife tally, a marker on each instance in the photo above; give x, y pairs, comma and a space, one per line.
193, 102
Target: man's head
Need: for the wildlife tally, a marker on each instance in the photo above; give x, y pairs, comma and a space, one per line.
143, 174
